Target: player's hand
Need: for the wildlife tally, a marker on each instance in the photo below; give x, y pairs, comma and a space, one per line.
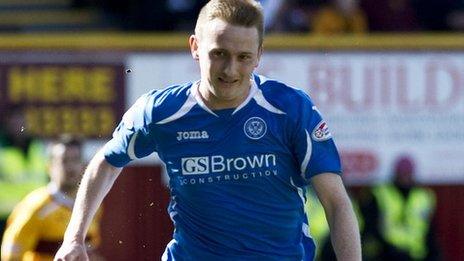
71, 252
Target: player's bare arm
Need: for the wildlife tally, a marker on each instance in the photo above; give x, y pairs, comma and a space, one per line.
342, 221
96, 182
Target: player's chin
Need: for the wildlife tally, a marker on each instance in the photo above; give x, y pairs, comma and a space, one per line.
225, 93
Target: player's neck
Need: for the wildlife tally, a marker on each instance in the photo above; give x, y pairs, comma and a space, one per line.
215, 103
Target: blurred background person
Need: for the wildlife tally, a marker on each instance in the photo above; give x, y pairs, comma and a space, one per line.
405, 213
22, 162
36, 226
339, 16
375, 247
395, 219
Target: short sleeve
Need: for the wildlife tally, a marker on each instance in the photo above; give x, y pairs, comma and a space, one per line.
315, 149
132, 139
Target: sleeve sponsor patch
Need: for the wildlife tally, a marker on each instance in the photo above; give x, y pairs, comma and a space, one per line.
321, 132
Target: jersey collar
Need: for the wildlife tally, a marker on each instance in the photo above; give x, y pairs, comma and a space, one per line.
196, 94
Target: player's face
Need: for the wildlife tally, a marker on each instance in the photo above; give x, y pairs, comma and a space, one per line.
227, 55
66, 166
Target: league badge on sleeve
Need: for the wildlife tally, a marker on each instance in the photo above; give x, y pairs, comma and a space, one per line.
321, 132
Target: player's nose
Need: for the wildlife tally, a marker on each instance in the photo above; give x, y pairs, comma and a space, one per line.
230, 69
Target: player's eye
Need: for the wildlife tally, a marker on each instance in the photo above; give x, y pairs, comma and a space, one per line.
219, 53
245, 57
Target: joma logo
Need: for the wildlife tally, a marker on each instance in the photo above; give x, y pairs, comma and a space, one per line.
192, 135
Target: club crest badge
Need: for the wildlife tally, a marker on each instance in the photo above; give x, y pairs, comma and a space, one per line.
321, 132
255, 128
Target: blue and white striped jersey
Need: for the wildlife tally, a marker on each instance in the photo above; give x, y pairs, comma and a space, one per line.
237, 176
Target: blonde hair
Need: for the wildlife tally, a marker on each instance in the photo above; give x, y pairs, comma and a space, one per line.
247, 13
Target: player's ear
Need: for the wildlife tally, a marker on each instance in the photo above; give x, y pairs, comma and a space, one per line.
193, 42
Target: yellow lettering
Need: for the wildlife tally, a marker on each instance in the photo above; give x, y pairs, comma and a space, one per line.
53, 84
74, 84
101, 84
69, 120
87, 123
33, 121
50, 122
21, 85
49, 84
16, 86
107, 121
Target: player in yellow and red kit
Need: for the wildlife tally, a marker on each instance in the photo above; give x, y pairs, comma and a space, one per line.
36, 226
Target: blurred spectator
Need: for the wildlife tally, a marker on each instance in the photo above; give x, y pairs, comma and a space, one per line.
405, 212
21, 156
320, 232
320, 16
339, 16
287, 16
375, 247
391, 15
22, 162
36, 226
395, 219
